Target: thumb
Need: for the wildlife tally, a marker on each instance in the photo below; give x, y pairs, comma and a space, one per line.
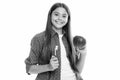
53, 56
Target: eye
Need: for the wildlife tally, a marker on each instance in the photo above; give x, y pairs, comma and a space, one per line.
56, 14
64, 16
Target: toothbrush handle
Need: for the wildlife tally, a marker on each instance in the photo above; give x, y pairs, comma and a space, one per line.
55, 52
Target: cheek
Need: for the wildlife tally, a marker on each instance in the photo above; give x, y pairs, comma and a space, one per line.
52, 19
65, 20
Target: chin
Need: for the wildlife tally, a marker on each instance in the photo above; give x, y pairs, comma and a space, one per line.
59, 26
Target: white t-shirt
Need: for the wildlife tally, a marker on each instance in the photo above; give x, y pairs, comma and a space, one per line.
66, 71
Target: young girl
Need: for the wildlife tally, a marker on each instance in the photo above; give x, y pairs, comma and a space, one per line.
52, 55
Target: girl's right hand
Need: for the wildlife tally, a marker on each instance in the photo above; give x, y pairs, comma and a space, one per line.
53, 63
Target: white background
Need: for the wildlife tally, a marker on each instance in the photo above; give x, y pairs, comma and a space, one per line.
97, 20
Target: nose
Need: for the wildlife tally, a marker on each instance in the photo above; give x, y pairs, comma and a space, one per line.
60, 18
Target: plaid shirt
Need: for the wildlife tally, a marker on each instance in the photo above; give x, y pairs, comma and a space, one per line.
36, 50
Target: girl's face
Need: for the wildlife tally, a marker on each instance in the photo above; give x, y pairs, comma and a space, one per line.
59, 17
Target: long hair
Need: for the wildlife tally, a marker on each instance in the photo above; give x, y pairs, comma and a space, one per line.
67, 34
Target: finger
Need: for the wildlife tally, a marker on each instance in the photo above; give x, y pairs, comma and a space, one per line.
53, 55
54, 58
55, 62
56, 66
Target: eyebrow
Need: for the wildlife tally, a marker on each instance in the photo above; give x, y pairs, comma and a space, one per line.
65, 13
59, 13
56, 12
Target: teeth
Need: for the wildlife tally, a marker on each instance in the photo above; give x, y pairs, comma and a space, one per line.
59, 22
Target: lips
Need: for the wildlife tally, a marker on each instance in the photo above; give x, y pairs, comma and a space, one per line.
59, 22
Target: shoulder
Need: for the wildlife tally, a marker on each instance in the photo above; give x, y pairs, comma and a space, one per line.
39, 37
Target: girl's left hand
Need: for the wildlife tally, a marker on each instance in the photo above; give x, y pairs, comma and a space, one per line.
81, 51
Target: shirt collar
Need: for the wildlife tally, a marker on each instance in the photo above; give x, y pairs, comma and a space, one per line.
55, 33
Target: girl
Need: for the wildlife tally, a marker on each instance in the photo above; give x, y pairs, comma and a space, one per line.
52, 55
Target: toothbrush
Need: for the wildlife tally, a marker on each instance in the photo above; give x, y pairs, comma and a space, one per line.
56, 48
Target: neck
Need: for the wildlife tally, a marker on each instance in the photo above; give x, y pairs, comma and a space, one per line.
59, 31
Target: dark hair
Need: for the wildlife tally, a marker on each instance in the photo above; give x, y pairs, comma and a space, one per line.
65, 28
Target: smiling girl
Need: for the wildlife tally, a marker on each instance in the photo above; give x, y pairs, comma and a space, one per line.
52, 55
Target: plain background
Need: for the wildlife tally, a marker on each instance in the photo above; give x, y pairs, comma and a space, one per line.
96, 20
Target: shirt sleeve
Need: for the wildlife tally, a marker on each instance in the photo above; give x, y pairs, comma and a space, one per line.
36, 45
76, 55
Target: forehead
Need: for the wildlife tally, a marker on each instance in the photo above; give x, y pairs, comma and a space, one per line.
60, 10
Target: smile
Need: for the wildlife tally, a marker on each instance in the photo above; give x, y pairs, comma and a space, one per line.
59, 22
